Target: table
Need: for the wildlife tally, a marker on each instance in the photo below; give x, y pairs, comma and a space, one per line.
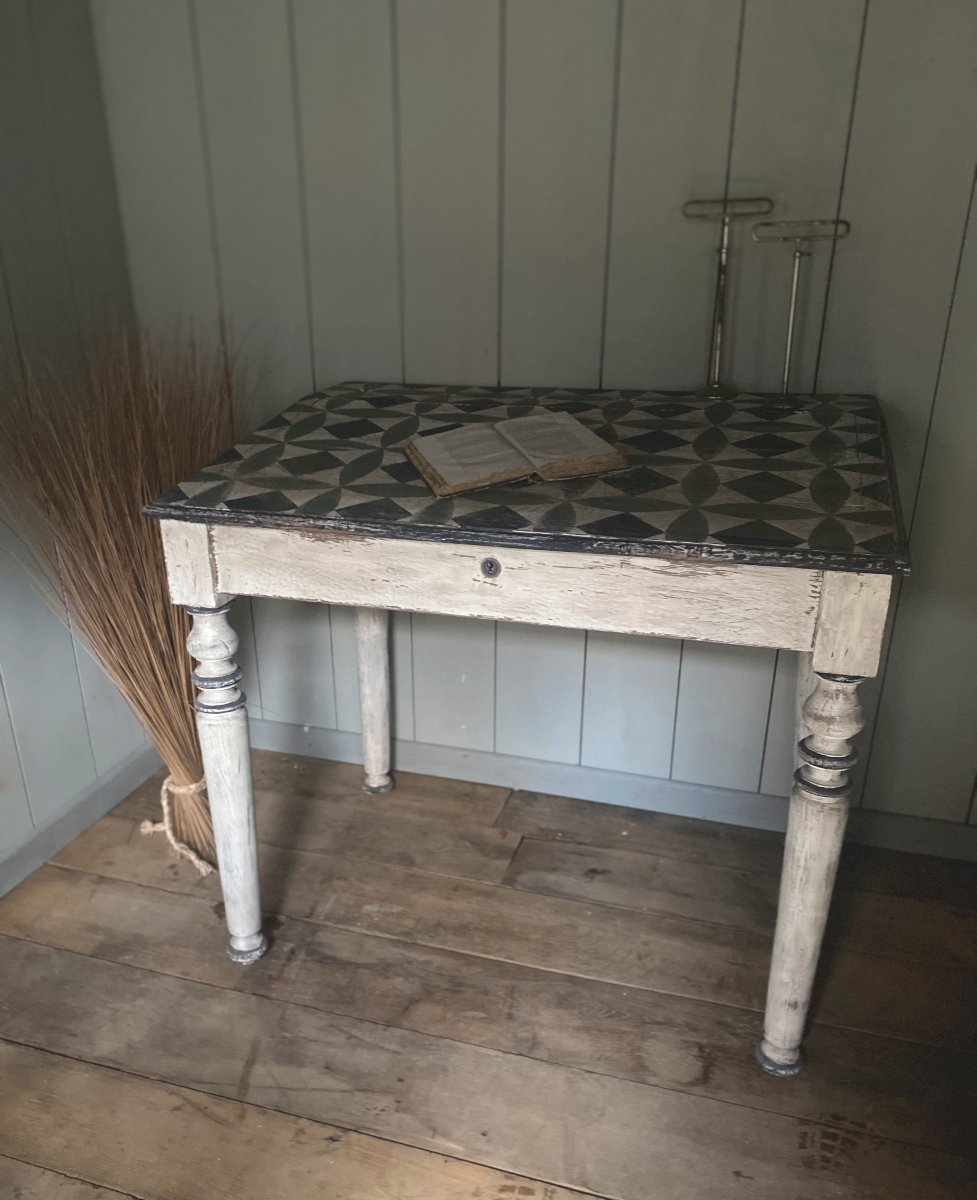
756, 520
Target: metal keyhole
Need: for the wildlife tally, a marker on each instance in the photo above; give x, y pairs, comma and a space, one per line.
491, 568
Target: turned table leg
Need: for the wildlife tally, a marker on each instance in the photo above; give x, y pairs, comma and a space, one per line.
816, 826
373, 655
222, 724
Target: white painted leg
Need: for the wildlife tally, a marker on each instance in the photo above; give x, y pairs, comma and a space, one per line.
816, 827
222, 723
373, 655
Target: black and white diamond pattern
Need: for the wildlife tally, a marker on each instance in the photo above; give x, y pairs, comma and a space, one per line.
795, 480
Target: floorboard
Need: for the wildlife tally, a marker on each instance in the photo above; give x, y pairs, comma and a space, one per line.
612, 827
475, 993
24, 1181
524, 1117
646, 882
159, 1142
877, 923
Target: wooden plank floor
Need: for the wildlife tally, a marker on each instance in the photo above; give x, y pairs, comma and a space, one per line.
477, 994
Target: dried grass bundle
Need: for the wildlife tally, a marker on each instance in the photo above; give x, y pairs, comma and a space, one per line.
79, 457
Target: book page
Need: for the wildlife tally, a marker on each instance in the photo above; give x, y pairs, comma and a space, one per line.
468, 457
558, 444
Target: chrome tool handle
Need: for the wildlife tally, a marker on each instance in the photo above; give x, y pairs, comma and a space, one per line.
724, 209
801, 233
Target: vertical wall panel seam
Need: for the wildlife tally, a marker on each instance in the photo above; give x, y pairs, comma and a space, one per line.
968, 212
500, 249
254, 648
495, 686
53, 182
611, 169
198, 77
740, 33
859, 56
104, 109
332, 661
883, 673
413, 678
58, 588
5, 284
81, 693
14, 331
301, 186
766, 724
398, 195
17, 750
583, 694
678, 694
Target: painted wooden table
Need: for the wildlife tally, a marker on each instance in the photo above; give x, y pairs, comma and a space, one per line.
756, 521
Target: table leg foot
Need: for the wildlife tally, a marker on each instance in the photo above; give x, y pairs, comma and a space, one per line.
773, 1066
378, 787
244, 956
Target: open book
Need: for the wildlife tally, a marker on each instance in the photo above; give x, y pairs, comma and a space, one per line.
549, 445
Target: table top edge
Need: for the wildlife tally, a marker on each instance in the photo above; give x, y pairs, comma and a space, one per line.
690, 551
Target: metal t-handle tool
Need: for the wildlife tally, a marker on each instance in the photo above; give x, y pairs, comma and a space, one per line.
800, 233
724, 210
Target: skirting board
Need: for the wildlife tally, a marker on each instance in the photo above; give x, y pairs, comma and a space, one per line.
889, 830
94, 802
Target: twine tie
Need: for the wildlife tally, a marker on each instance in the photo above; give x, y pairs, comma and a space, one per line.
169, 789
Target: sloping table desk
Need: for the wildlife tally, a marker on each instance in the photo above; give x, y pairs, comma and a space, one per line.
756, 521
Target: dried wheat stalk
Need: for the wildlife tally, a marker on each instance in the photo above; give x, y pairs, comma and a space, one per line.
79, 457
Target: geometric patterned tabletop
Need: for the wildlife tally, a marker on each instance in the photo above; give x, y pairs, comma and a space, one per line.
768, 479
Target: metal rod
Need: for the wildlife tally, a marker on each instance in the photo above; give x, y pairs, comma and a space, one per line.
800, 233
725, 210
719, 308
792, 312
